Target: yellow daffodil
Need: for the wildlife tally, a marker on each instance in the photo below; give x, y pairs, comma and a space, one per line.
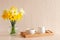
13, 14
19, 16
5, 14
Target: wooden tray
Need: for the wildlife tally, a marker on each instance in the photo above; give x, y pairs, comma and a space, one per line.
37, 34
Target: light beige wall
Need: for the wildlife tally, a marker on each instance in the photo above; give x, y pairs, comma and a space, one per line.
37, 13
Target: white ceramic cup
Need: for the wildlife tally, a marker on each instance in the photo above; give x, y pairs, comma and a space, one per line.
32, 31
42, 29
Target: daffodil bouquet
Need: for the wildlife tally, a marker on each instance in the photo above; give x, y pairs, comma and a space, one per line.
13, 14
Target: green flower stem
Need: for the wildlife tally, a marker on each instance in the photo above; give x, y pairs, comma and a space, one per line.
13, 27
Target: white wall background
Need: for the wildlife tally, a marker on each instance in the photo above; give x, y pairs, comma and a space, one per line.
37, 13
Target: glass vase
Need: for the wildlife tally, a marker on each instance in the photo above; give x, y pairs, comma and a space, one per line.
13, 31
